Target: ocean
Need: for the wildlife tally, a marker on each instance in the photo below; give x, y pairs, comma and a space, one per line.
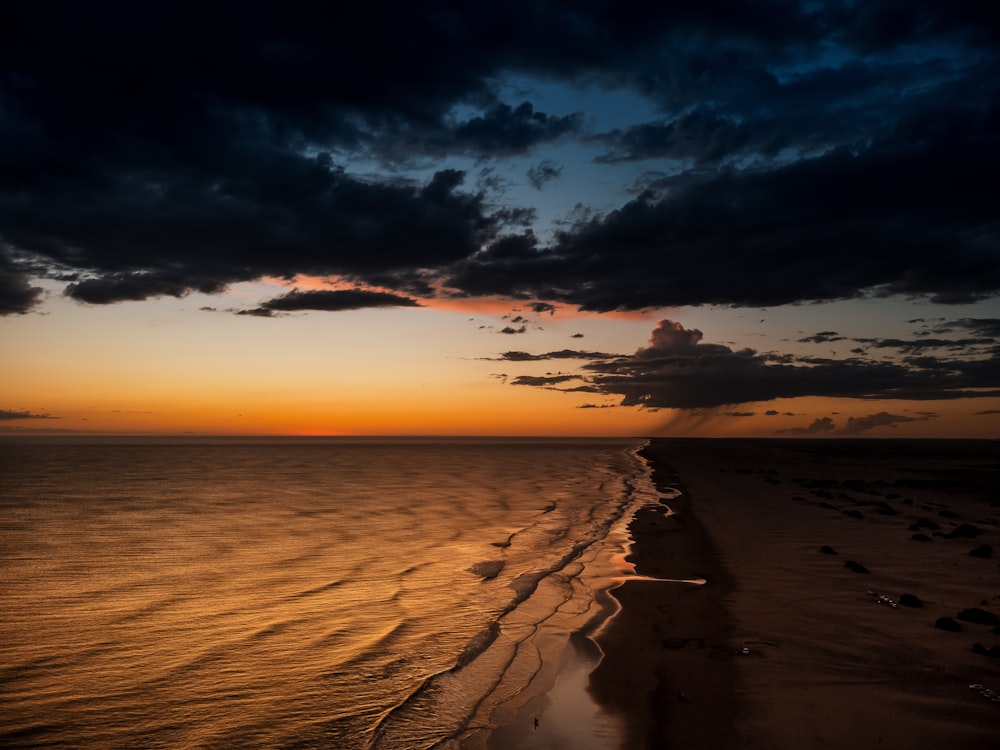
298, 593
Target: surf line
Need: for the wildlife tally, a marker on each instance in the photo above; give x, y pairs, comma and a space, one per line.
619, 580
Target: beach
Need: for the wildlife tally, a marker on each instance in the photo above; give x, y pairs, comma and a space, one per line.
850, 598
746, 594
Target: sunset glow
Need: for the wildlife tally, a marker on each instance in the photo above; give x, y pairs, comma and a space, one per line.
780, 229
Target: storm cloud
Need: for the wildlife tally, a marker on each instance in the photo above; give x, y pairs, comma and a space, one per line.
801, 151
908, 215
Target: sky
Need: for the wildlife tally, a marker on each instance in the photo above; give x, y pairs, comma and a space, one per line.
693, 218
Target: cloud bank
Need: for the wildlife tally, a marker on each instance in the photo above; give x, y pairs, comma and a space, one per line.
677, 370
799, 151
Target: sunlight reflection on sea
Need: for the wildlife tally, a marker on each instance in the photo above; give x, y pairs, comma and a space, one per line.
296, 593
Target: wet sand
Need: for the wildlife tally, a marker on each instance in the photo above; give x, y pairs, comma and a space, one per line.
791, 643
802, 635
667, 668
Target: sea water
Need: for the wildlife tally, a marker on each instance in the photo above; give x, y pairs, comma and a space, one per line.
294, 593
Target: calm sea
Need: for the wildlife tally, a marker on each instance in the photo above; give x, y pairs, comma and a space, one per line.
295, 593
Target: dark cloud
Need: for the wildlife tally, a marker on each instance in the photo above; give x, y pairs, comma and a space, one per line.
822, 337
138, 285
986, 327
857, 425
510, 330
542, 307
561, 354
17, 295
912, 215
677, 370
543, 381
871, 27
803, 151
703, 137
12, 414
544, 172
304, 216
333, 301
257, 312
503, 129
818, 426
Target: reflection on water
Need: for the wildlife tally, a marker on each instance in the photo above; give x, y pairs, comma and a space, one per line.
294, 593
564, 717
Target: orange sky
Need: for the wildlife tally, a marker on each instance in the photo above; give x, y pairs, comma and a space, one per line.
170, 366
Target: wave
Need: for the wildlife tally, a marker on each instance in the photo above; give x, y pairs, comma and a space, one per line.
471, 687
252, 623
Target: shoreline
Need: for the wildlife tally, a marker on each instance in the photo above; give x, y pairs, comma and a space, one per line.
800, 636
666, 669
650, 667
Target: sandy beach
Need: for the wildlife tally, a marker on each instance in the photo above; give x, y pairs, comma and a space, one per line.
851, 596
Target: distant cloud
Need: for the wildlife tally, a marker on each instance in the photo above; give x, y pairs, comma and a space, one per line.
708, 139
916, 346
504, 129
987, 327
509, 330
542, 307
822, 337
257, 312
561, 354
138, 285
331, 301
543, 381
857, 425
818, 426
678, 370
543, 172
17, 295
12, 414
